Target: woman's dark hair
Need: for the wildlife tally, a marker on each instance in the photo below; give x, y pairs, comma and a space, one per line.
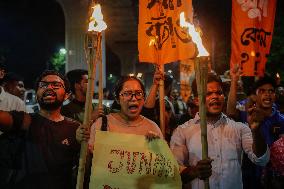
53, 72
119, 85
211, 77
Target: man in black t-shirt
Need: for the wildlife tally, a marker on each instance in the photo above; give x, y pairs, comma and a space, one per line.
75, 109
48, 149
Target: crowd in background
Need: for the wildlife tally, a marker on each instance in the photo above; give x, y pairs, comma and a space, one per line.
245, 130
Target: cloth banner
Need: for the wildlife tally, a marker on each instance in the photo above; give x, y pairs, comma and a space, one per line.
252, 28
159, 22
127, 161
186, 76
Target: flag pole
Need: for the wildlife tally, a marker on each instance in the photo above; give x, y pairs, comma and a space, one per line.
161, 88
162, 103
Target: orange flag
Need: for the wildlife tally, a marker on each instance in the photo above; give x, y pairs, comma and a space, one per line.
252, 28
160, 38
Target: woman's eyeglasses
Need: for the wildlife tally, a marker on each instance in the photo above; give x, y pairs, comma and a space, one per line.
127, 95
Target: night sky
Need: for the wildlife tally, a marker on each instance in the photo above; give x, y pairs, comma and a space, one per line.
31, 31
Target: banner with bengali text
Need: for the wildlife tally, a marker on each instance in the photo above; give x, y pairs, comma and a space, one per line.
124, 161
252, 29
161, 40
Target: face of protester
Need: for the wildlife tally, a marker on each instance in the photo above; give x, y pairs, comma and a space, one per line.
2, 73
15, 88
51, 92
175, 94
214, 99
82, 85
131, 99
265, 96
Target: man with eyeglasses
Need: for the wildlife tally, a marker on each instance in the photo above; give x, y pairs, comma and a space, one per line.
227, 140
49, 148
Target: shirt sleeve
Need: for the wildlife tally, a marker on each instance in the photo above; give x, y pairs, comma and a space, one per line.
247, 142
179, 148
22, 106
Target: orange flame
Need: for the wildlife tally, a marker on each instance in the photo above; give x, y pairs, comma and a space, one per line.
153, 41
277, 75
97, 23
194, 36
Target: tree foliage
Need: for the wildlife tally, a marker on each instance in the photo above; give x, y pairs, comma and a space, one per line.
275, 62
58, 61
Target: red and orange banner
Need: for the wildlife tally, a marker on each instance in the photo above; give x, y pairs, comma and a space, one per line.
252, 29
161, 40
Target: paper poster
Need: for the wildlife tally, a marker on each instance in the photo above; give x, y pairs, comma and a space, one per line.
126, 161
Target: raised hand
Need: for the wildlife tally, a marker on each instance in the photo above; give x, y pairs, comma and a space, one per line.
98, 112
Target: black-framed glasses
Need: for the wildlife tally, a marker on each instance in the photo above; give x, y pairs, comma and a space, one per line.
127, 95
53, 84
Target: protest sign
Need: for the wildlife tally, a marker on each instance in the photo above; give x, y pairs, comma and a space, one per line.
127, 161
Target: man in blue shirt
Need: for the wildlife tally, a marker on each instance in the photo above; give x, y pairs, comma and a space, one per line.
272, 127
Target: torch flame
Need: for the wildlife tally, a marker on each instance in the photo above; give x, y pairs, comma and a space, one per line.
153, 41
96, 21
194, 36
277, 75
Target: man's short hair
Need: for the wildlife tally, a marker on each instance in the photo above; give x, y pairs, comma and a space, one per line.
75, 76
11, 76
265, 80
2, 66
211, 77
53, 72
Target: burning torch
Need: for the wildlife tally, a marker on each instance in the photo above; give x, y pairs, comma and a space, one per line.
93, 49
201, 71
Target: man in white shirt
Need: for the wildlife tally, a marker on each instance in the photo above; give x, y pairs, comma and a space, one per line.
227, 140
9, 102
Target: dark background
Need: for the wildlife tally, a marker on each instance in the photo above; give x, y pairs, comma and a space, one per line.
31, 31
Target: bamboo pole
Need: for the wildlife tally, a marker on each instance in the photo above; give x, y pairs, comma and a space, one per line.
161, 89
90, 43
201, 72
100, 63
162, 103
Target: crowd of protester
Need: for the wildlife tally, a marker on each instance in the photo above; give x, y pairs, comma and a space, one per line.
41, 150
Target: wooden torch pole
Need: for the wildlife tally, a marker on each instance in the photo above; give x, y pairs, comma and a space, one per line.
201, 72
99, 61
90, 55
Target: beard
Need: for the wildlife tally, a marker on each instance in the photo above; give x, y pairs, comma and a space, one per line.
49, 105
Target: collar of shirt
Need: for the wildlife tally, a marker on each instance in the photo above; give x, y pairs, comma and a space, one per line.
221, 121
